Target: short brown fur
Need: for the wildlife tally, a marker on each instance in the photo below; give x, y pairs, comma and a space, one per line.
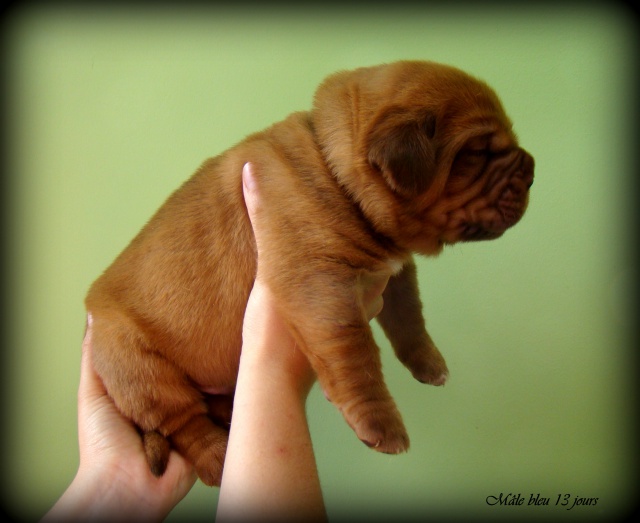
392, 160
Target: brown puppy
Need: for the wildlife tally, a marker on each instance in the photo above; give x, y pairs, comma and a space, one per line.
392, 160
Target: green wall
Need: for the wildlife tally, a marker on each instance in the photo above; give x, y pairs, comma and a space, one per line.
109, 111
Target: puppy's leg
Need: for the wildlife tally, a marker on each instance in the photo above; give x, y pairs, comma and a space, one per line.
157, 396
333, 331
403, 323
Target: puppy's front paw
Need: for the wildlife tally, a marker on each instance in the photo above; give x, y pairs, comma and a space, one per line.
380, 427
427, 365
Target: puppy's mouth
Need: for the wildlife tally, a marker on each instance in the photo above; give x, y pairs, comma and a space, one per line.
510, 202
485, 208
507, 212
476, 232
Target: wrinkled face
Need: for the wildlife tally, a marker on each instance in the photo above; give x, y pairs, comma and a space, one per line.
459, 177
446, 149
487, 190
426, 150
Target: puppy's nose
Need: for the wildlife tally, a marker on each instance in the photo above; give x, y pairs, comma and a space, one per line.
527, 168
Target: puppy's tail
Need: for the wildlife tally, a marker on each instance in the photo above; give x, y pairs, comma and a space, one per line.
156, 448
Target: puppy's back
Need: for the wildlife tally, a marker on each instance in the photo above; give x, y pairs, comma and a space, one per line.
185, 277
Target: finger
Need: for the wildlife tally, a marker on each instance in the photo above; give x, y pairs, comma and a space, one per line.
86, 341
249, 190
251, 199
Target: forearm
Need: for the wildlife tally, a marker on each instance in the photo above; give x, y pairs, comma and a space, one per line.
270, 470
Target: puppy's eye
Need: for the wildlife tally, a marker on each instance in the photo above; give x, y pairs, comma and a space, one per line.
376, 167
477, 152
472, 154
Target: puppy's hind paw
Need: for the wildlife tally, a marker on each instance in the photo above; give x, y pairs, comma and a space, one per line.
427, 366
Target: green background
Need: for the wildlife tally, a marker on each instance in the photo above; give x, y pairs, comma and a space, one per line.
110, 110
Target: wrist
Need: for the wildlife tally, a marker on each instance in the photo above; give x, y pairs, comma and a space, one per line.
268, 350
97, 495
284, 364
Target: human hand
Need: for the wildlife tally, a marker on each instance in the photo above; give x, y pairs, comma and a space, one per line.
113, 479
264, 331
262, 319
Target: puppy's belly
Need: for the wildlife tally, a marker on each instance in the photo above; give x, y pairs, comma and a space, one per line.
217, 371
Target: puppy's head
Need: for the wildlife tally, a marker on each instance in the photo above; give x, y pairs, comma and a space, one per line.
426, 150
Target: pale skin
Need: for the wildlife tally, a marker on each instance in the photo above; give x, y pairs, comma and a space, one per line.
270, 470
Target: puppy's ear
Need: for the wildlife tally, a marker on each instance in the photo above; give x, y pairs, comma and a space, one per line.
402, 147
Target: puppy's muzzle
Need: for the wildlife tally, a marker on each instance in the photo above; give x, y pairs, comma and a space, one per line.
507, 195
513, 201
